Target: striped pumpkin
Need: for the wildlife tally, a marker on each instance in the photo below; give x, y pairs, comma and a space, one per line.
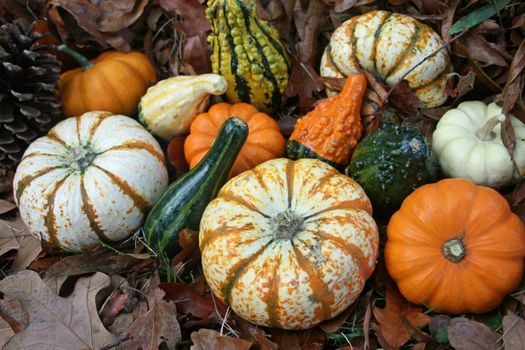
388, 45
92, 177
289, 244
248, 52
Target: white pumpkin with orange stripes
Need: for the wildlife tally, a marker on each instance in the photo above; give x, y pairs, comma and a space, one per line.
91, 178
289, 244
389, 45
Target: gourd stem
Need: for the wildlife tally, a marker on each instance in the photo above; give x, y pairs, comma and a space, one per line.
454, 250
486, 133
83, 61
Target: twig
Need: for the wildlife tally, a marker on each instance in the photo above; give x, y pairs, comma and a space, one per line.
115, 343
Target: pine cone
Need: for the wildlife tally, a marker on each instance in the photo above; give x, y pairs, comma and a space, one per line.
29, 103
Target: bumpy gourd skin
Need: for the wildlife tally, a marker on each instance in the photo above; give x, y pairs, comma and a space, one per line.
333, 128
247, 51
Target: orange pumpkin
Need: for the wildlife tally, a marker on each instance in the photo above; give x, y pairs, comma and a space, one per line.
455, 247
264, 140
113, 82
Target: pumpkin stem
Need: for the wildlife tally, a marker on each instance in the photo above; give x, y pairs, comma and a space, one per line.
454, 250
83, 61
486, 133
286, 225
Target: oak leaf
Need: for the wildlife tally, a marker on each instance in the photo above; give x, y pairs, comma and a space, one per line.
389, 319
15, 236
56, 322
208, 339
513, 332
465, 334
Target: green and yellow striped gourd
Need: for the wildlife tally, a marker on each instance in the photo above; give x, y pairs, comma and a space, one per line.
248, 52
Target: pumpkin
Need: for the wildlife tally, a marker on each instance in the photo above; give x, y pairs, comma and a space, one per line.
113, 82
183, 203
468, 144
332, 129
264, 140
455, 247
390, 163
288, 244
168, 108
388, 45
92, 177
248, 52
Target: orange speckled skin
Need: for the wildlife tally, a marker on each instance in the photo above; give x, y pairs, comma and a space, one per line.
493, 237
114, 84
333, 128
309, 274
264, 140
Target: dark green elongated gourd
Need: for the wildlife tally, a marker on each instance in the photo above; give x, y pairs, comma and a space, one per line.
183, 203
390, 163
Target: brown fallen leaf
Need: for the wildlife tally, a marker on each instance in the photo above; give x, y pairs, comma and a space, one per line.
114, 306
208, 339
6, 206
193, 12
190, 299
55, 322
438, 325
465, 334
255, 334
389, 321
15, 236
154, 321
403, 98
12, 312
513, 332
480, 49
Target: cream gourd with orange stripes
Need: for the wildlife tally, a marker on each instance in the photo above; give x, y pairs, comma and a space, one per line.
92, 177
388, 45
289, 244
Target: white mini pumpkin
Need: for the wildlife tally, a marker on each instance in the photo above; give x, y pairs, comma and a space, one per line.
92, 177
388, 45
468, 144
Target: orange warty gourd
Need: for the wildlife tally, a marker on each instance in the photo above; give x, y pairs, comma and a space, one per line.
333, 128
455, 247
264, 140
112, 82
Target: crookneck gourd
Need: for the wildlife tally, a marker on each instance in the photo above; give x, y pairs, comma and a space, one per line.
289, 243
455, 247
91, 178
248, 52
389, 45
330, 132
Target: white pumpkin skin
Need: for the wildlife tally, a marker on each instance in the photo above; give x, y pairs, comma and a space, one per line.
296, 275
92, 177
462, 153
388, 45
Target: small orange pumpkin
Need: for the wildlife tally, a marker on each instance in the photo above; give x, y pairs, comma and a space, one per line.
455, 247
113, 82
264, 140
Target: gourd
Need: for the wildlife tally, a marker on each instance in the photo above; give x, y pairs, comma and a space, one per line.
332, 129
288, 244
91, 178
168, 108
248, 52
388, 45
264, 140
468, 144
390, 163
455, 247
112, 82
183, 203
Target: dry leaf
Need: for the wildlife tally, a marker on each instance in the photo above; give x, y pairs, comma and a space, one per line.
403, 97
15, 236
389, 321
190, 300
465, 334
114, 306
513, 332
208, 339
193, 12
6, 206
55, 322
480, 49
154, 321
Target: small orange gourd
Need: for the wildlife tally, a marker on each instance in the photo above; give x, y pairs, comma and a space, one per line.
264, 140
455, 247
112, 82
333, 128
